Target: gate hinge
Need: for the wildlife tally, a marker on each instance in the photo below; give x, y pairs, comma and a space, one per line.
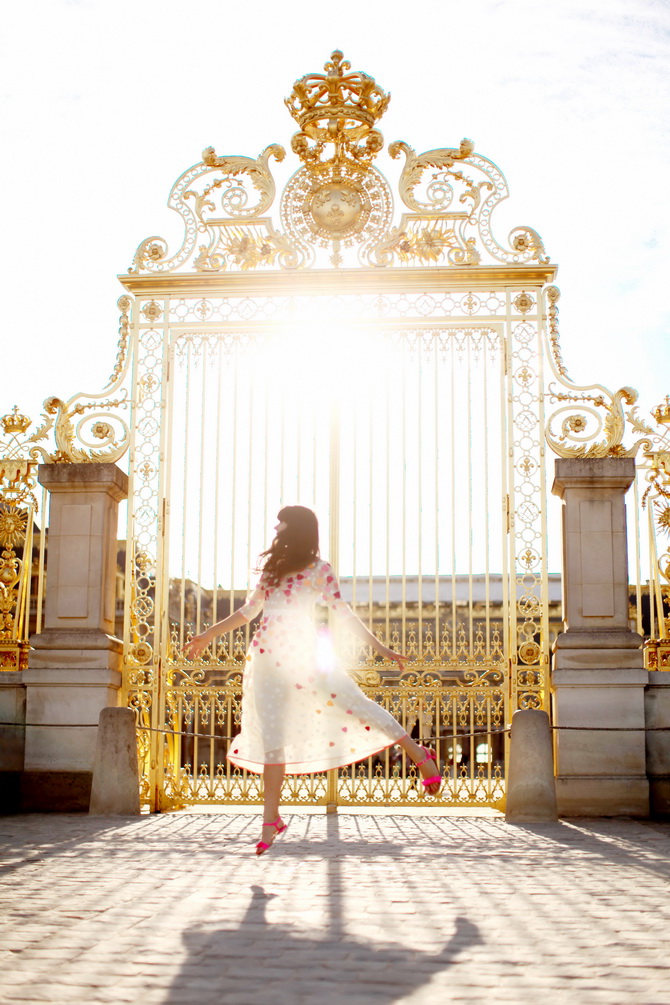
508, 515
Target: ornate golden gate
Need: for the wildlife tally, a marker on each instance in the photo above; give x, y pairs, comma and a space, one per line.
388, 374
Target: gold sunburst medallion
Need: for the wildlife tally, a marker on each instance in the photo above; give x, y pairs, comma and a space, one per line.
13, 523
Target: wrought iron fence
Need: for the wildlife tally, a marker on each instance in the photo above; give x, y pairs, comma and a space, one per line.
465, 723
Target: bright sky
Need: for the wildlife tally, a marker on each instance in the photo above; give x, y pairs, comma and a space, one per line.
105, 104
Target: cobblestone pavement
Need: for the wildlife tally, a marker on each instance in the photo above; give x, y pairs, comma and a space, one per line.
350, 909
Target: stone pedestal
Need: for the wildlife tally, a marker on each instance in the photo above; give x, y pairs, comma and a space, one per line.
531, 786
598, 680
74, 668
116, 781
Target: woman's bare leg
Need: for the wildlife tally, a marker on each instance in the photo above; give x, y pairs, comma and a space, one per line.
416, 753
273, 779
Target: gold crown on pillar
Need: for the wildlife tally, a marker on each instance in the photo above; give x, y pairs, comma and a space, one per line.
662, 412
337, 107
15, 421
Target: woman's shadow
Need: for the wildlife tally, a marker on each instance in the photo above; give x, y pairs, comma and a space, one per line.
257, 959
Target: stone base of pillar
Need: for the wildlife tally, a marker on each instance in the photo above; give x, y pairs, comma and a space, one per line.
62, 712
600, 756
73, 675
55, 791
659, 797
657, 709
599, 796
12, 739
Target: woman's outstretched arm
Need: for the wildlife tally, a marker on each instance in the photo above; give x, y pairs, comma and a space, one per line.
245, 614
193, 648
355, 625
326, 582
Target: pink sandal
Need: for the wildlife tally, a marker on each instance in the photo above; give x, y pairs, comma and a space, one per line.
434, 780
280, 827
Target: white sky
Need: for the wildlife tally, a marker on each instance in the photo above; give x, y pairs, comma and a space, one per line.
104, 104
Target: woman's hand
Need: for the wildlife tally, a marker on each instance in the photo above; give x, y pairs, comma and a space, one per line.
389, 654
193, 648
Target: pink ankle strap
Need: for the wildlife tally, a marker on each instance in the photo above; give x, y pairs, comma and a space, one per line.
429, 757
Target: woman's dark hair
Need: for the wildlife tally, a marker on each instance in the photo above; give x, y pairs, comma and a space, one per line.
294, 547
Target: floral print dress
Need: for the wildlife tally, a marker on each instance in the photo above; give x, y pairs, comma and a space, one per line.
299, 707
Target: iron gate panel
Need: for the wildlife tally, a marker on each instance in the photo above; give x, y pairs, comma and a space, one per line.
416, 486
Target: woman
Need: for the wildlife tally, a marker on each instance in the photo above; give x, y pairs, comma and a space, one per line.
302, 713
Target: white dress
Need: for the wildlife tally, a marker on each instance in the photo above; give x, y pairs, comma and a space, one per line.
299, 707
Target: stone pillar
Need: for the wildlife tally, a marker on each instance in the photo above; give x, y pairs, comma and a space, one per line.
598, 678
74, 667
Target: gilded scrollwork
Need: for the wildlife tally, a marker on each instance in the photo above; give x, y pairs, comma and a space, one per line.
591, 425
85, 429
337, 199
234, 194
440, 190
234, 246
460, 201
525, 244
453, 194
424, 241
207, 196
589, 420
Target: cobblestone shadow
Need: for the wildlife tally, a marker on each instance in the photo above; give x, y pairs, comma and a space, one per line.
271, 963
644, 848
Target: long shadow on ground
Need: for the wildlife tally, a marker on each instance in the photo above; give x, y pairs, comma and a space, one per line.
290, 967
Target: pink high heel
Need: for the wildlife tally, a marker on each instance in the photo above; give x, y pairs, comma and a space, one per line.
280, 827
432, 785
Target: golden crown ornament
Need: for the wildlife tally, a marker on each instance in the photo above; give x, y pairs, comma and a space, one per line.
15, 421
337, 108
662, 412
